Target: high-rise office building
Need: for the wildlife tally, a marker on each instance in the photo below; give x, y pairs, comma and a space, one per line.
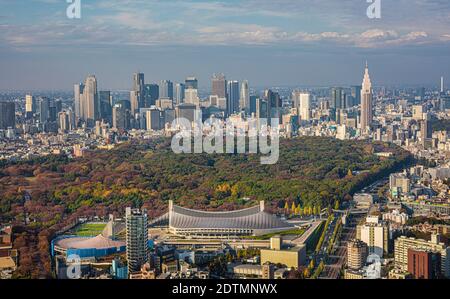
30, 106
7, 115
90, 99
366, 102
252, 108
179, 93
121, 115
151, 94
426, 130
166, 89
337, 98
136, 238
274, 104
233, 97
191, 97
244, 101
63, 121
186, 111
191, 82
105, 105
134, 102
219, 85
262, 109
78, 93
305, 106
44, 110
442, 85
139, 88
153, 119
356, 94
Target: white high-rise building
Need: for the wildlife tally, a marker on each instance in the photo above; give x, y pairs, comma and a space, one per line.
78, 93
90, 100
179, 93
375, 234
305, 106
442, 84
191, 96
366, 102
244, 101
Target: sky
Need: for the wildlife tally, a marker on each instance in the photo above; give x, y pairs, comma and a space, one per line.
268, 42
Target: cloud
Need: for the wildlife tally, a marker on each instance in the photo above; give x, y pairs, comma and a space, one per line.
250, 22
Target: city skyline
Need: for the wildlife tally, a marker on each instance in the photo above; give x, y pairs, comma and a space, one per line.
242, 39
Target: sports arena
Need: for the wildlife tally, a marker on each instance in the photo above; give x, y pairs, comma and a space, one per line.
91, 246
87, 247
253, 221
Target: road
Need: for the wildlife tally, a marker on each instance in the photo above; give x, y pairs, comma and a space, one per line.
335, 261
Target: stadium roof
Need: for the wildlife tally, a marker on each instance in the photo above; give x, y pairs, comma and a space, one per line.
251, 218
98, 242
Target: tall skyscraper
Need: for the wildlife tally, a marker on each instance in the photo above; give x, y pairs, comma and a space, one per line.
191, 82
151, 94
63, 121
134, 101
252, 108
426, 130
136, 238
219, 85
90, 98
356, 94
121, 115
337, 98
179, 93
274, 104
30, 106
139, 88
105, 105
166, 89
262, 111
153, 119
442, 85
7, 115
366, 102
78, 93
244, 101
191, 97
295, 97
44, 110
305, 106
233, 97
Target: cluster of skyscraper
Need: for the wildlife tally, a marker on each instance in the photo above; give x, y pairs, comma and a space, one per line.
151, 106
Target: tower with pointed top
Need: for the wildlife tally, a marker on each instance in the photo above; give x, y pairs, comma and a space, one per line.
366, 102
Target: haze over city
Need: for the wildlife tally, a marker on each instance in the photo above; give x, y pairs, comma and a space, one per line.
269, 43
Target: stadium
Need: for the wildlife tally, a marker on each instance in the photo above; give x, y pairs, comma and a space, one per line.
87, 247
90, 247
253, 221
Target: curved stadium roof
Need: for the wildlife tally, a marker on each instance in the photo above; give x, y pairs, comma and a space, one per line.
251, 218
98, 242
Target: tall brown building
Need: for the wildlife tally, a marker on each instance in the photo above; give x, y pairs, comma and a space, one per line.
219, 85
357, 252
423, 264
